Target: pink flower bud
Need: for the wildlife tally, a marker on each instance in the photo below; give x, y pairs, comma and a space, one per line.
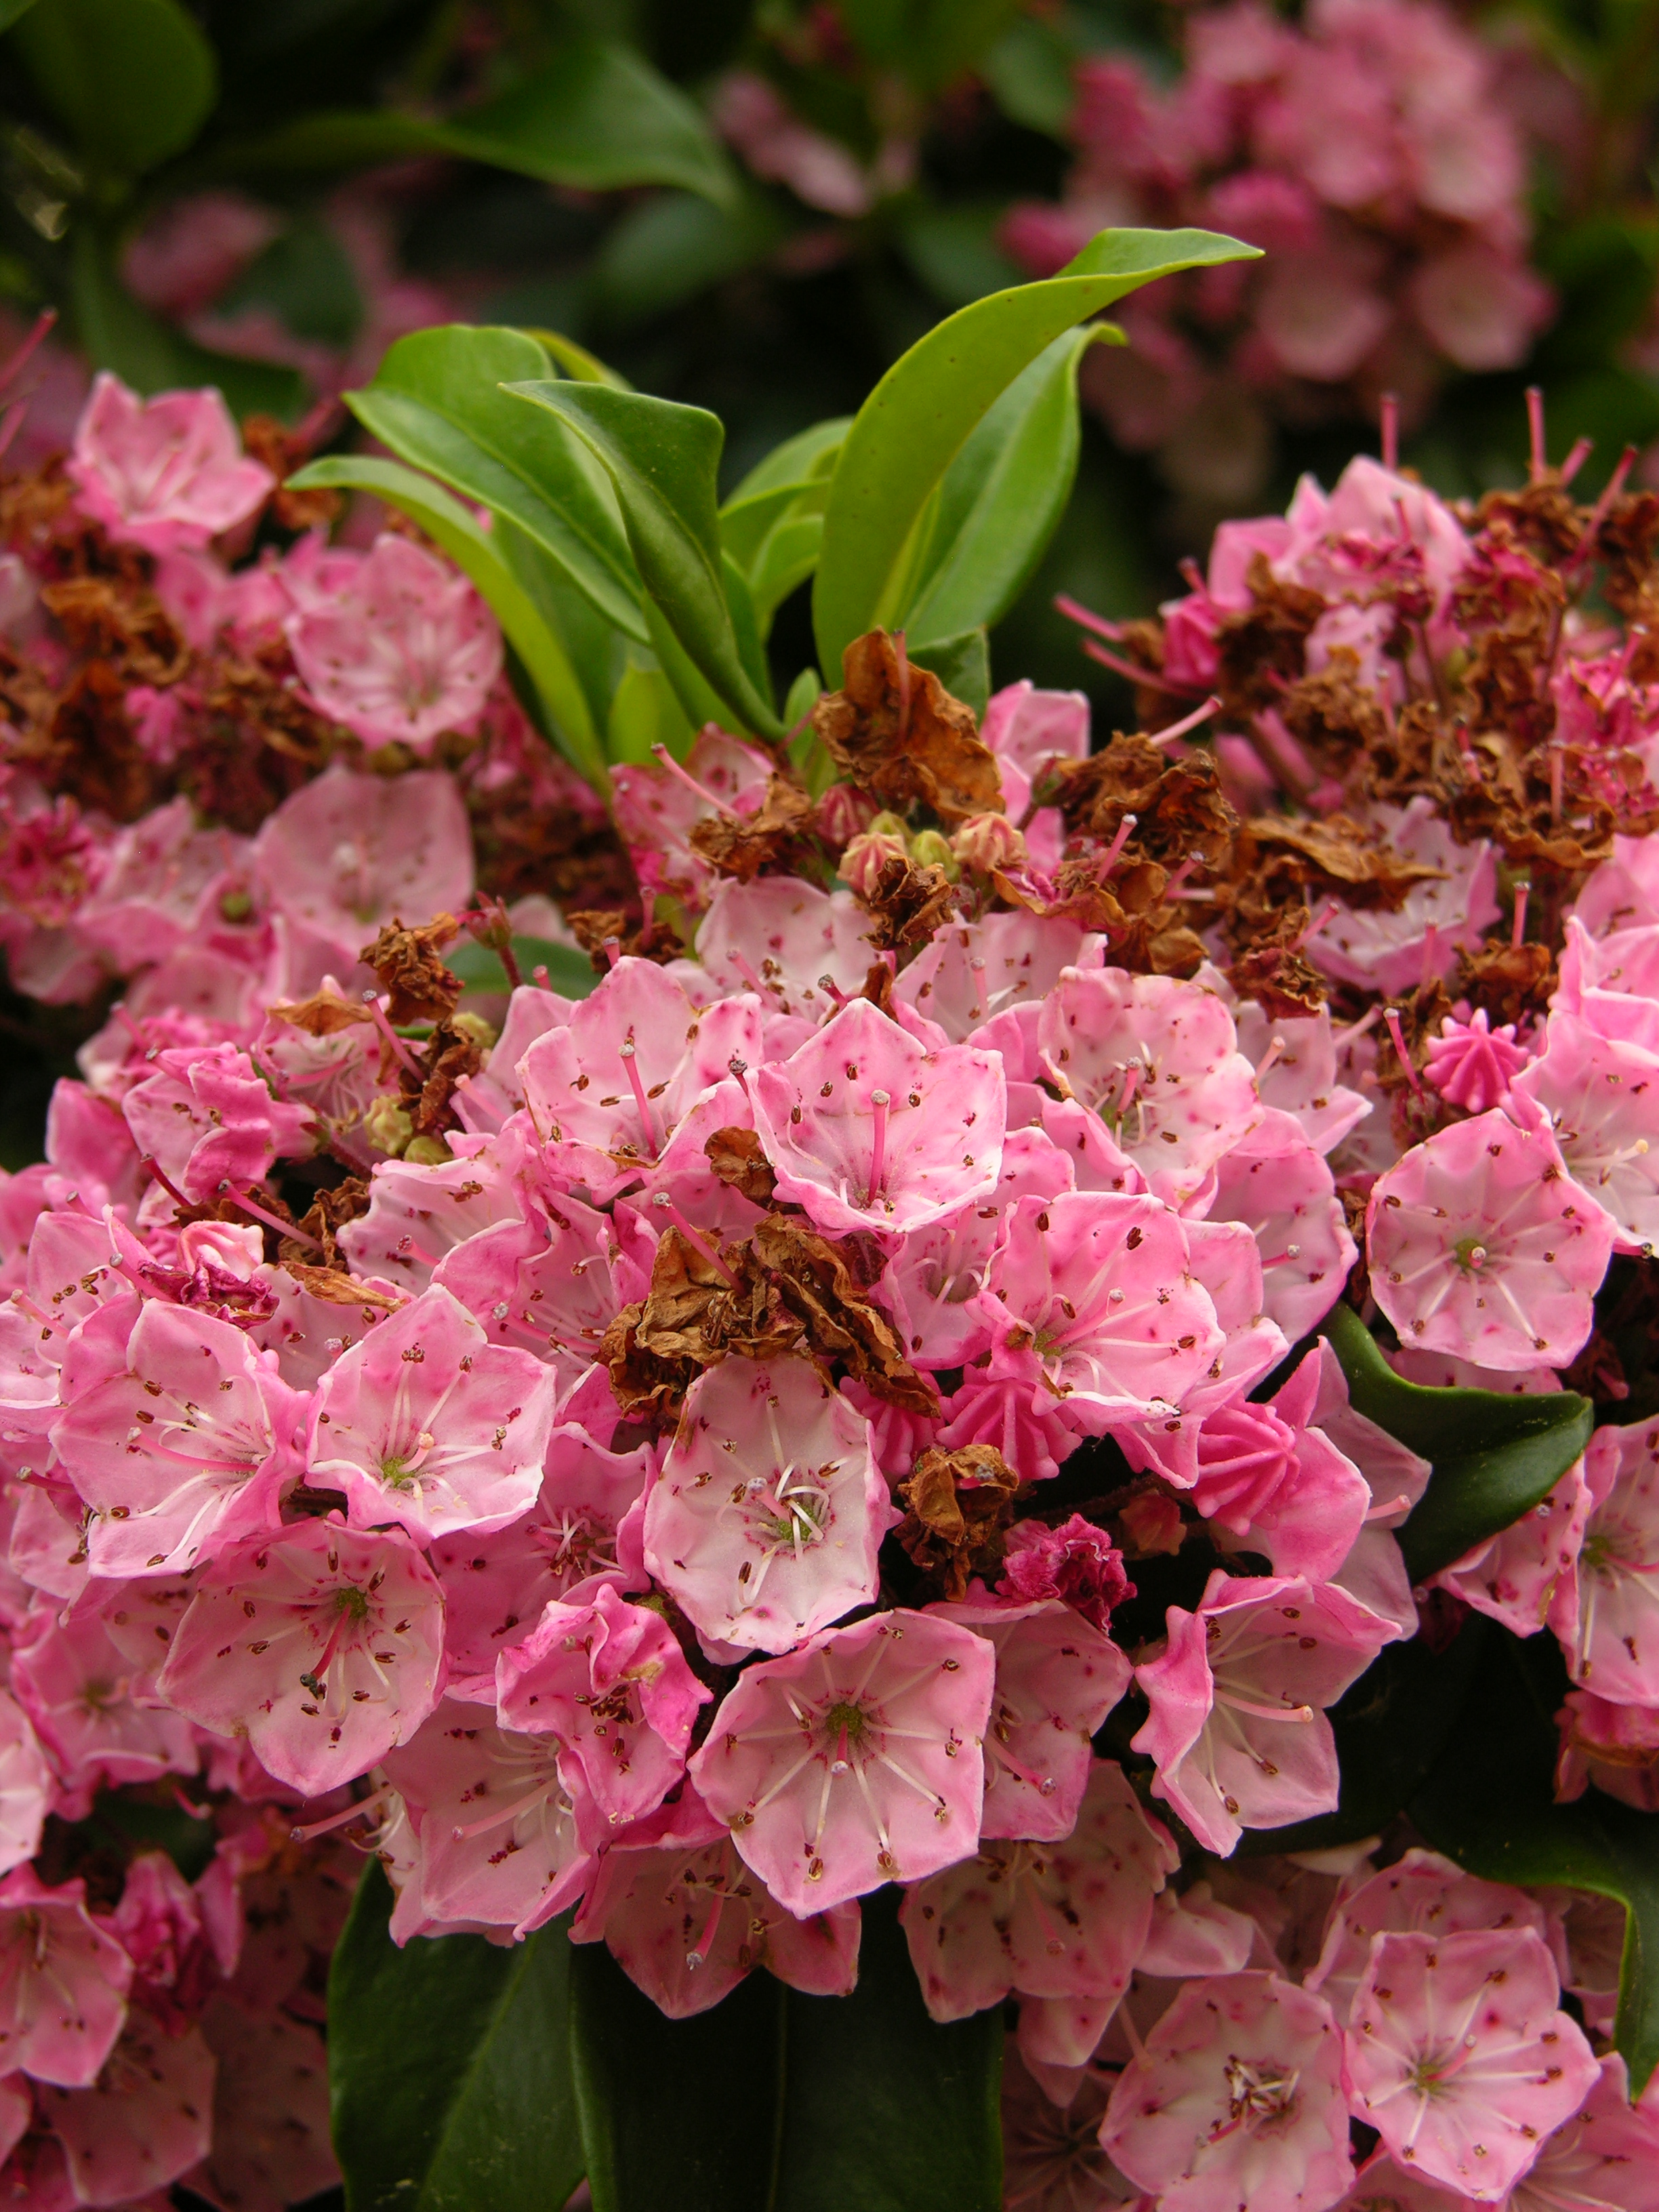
988, 842
865, 857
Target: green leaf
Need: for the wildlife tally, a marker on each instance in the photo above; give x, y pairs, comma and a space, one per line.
568, 972
786, 558
930, 41
576, 360
666, 250
11, 9
1495, 1454
963, 666
808, 455
115, 333
306, 277
1001, 499
1030, 71
449, 2068
921, 414
1490, 1805
529, 631
133, 80
662, 459
775, 2102
595, 116
953, 249
436, 400
646, 712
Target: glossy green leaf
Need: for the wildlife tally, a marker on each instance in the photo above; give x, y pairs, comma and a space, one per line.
786, 558
449, 525
436, 400
662, 459
808, 455
646, 712
569, 971
449, 2068
576, 360
132, 81
1489, 1803
745, 523
596, 115
1001, 499
115, 333
1495, 1454
921, 414
961, 663
775, 2102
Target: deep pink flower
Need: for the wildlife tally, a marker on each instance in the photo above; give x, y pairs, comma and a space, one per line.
162, 472
1237, 2098
1611, 1638
1009, 1404
63, 1982
1471, 1064
1458, 2054
1481, 1244
207, 1117
854, 1761
1076, 1561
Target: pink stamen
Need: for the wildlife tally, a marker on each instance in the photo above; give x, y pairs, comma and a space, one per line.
539, 976
705, 1943
165, 1181
1187, 721
746, 968
1172, 889
1136, 674
1086, 618
1518, 932
1390, 431
1125, 830
612, 947
1466, 747
1270, 1058
1407, 1064
694, 1237
272, 1220
829, 985
1538, 465
1581, 451
880, 1101
1326, 913
15, 416
684, 776
357, 1812
627, 1052
377, 1014
1610, 491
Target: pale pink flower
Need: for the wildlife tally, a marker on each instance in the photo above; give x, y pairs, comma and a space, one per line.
1051, 2159
162, 472
1605, 2159
146, 2120
26, 1785
1237, 1727
775, 144
1076, 1562
207, 1117
1458, 2054
779, 937
322, 1645
417, 1213
1482, 307
969, 972
1390, 953
1614, 1747
426, 1424
1612, 1639
1057, 1678
63, 1982
868, 1130
1159, 1060
854, 1761
1481, 1244
67, 1277
1192, 1932
1423, 1892
1237, 2098
687, 1920
764, 1521
657, 810
1064, 1917
610, 1680
1514, 1576
1471, 1064
1600, 1095
160, 884
1296, 1072
73, 1685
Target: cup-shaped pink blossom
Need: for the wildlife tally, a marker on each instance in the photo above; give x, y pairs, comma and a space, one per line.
1526, 1576
26, 1785
1459, 2055
164, 472
322, 1645
867, 1129
1059, 1918
1599, 1092
1482, 1245
63, 1983
426, 1424
146, 2120
1238, 1695
970, 972
1611, 1631
69, 1678
780, 938
1421, 1892
1237, 2097
764, 1523
417, 1214
207, 1117
1277, 1183
855, 1760
1269, 1477
609, 1680
545, 1285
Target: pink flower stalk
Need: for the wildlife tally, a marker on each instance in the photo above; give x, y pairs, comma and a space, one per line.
1238, 2097
853, 1760
406, 649
1482, 1245
162, 472
609, 1680
323, 1645
866, 1129
1472, 1064
1612, 1638
1076, 1562
1458, 2054
1237, 1727
63, 1983
764, 1521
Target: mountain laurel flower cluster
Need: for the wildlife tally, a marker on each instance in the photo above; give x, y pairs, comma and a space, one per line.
858, 1394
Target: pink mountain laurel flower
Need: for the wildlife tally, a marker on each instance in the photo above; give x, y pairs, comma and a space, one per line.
610, 1680
1614, 1747
1458, 2054
1482, 1245
322, 1645
686, 1920
425, 1422
26, 1785
207, 1117
162, 473
1526, 1575
404, 650
765, 1520
1237, 2098
867, 1129
1612, 1635
1602, 1096
63, 1983
1057, 1679
1472, 1064
1100, 1286
1077, 1561
188, 1449
1237, 1727
147, 2119
855, 1759
1061, 1917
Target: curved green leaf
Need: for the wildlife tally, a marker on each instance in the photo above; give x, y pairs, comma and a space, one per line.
662, 460
132, 79
529, 631
1495, 1454
449, 2068
961, 663
810, 454
576, 360
646, 712
667, 249
1001, 499
1489, 1803
436, 400
788, 555
918, 418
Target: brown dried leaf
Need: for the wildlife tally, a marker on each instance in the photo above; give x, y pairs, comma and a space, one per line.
820, 1280
407, 962
775, 839
324, 1013
337, 1288
960, 1506
738, 1159
908, 905
924, 747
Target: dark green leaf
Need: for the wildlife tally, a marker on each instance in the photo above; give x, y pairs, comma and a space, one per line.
1489, 1803
116, 333
133, 80
1605, 270
662, 459
963, 666
188, 1842
918, 418
667, 250
436, 400
449, 2068
568, 972
1030, 73
11, 9
1495, 1454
